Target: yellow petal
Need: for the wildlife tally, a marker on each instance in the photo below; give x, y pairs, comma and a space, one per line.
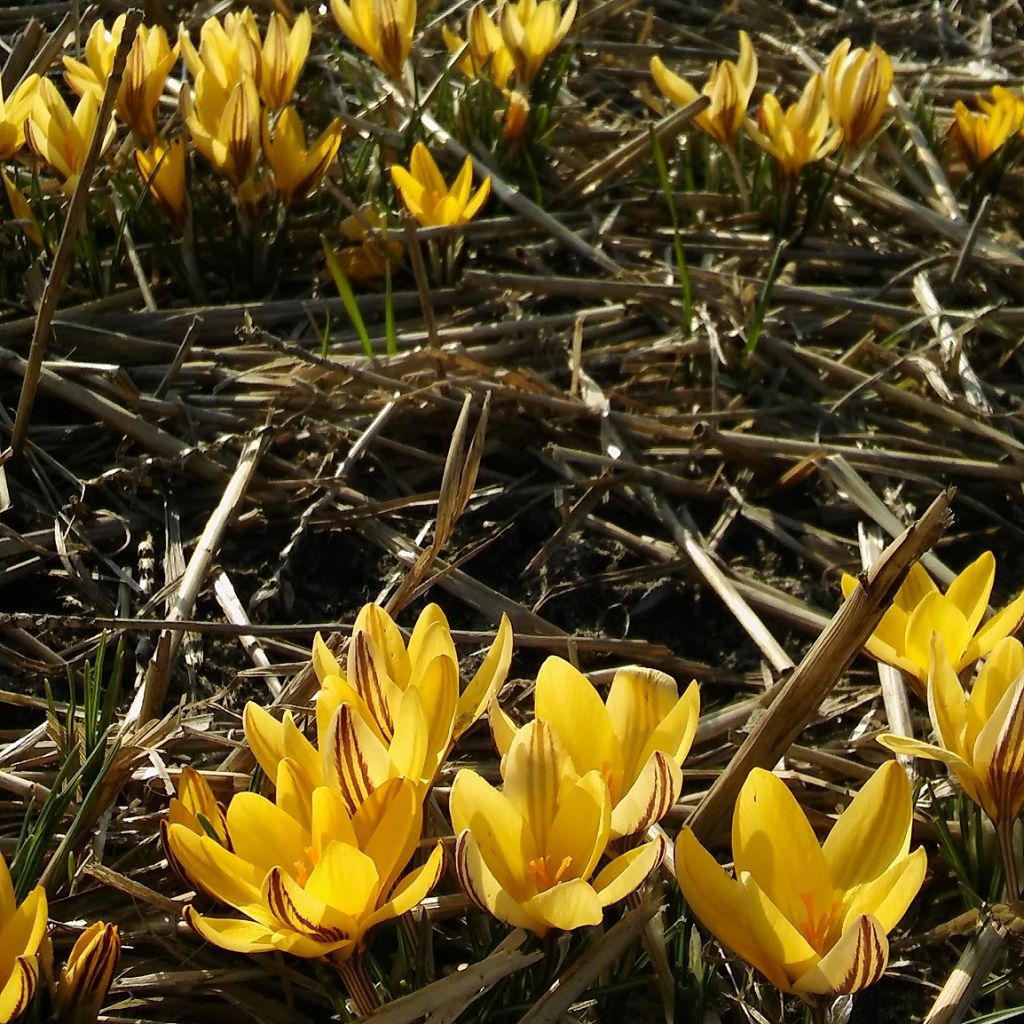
411, 890
650, 797
484, 889
22, 932
345, 879
437, 686
857, 960
639, 700
425, 170
409, 748
936, 614
537, 772
293, 793
388, 640
19, 988
947, 705
674, 733
324, 662
262, 834
298, 910
567, 905
999, 673
499, 830
628, 871
488, 679
503, 728
731, 912
888, 896
874, 830
224, 875
579, 832
1003, 623
567, 701
473, 207
773, 842
915, 588
431, 638
330, 821
999, 757
970, 591
394, 840
356, 762
240, 936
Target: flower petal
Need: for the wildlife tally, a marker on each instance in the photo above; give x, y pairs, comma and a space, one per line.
484, 889
970, 590
628, 871
774, 843
567, 905
579, 832
874, 830
567, 701
857, 960
650, 797
488, 679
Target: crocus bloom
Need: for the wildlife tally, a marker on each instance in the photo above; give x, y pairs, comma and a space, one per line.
526, 853
228, 136
22, 212
13, 112
487, 53
229, 51
162, 167
516, 118
396, 711
977, 135
145, 73
86, 977
429, 199
372, 255
800, 134
857, 84
382, 29
812, 919
60, 137
283, 56
981, 736
903, 637
297, 170
532, 30
22, 933
311, 890
637, 741
729, 87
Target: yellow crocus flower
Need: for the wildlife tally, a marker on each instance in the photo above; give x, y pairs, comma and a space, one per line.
857, 84
981, 736
21, 211
637, 740
316, 889
729, 87
812, 919
526, 853
903, 636
13, 112
59, 137
145, 73
228, 50
283, 56
487, 53
86, 977
162, 167
372, 255
229, 135
22, 938
397, 710
382, 29
533, 30
297, 170
799, 135
429, 199
979, 134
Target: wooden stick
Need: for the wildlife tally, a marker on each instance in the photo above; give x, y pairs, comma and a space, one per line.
824, 663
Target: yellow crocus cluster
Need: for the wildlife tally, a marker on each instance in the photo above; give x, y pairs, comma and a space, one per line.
843, 106
315, 869
145, 73
237, 107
